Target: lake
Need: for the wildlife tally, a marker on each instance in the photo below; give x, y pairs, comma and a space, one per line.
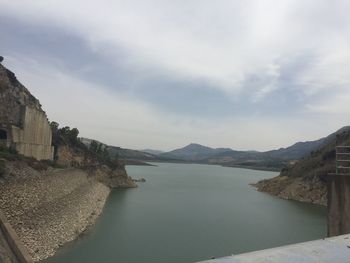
189, 212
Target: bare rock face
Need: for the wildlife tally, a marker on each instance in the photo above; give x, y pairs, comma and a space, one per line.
1, 58
67, 157
310, 190
116, 178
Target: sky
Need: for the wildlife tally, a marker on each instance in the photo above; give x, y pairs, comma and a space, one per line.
160, 74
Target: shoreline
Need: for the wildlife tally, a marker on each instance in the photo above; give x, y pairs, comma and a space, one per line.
52, 208
311, 191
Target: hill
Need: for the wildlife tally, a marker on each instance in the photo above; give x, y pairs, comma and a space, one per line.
302, 149
193, 152
152, 151
126, 156
274, 160
306, 179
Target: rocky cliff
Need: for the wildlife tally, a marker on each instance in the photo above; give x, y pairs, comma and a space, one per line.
306, 179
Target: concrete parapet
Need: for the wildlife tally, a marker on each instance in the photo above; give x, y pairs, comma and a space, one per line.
329, 250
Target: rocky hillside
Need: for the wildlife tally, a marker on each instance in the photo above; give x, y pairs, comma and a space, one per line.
306, 179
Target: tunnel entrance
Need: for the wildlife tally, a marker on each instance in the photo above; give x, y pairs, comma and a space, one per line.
3, 135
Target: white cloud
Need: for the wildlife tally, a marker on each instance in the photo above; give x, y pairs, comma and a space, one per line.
127, 122
222, 43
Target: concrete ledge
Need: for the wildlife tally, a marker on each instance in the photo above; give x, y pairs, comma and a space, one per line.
329, 250
13, 241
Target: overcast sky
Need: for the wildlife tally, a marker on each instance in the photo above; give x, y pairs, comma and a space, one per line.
252, 74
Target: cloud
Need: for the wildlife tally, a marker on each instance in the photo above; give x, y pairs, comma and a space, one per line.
253, 74
223, 44
124, 121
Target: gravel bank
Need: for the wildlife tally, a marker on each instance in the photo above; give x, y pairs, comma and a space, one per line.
51, 208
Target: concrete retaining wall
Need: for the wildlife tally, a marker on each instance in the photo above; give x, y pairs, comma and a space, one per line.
35, 137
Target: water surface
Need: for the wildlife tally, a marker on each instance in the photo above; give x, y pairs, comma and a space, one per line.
189, 212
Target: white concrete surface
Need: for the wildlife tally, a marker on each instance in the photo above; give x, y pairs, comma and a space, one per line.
329, 250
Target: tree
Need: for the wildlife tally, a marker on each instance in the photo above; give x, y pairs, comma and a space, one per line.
93, 146
54, 126
73, 135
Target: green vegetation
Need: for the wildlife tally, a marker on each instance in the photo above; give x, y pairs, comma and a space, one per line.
101, 152
320, 162
66, 136
95, 154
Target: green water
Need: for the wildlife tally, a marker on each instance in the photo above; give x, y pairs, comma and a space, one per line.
189, 212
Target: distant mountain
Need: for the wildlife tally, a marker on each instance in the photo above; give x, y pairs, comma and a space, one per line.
270, 160
193, 152
151, 151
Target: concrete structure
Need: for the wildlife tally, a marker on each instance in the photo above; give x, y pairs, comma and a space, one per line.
23, 124
330, 250
339, 194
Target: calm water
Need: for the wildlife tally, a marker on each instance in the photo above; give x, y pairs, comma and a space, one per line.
188, 212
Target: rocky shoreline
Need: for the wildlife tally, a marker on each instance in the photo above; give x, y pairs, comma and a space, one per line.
308, 190
50, 208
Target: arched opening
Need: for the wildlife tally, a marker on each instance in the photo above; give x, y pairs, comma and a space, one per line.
3, 135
